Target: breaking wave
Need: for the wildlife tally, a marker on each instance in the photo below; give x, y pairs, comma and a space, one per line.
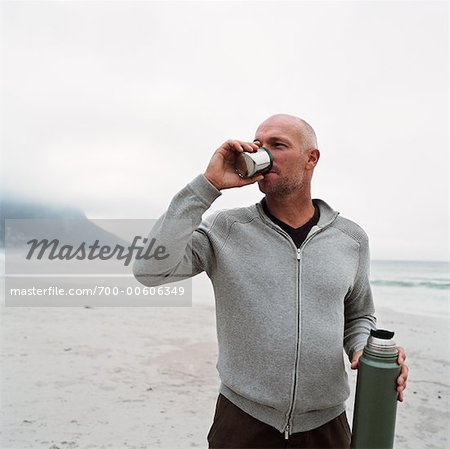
440, 284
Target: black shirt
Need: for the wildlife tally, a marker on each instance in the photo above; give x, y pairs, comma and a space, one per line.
298, 235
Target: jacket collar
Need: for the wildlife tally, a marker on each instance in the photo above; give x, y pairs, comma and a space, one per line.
327, 213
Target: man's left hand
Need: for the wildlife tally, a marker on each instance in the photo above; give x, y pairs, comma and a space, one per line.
403, 376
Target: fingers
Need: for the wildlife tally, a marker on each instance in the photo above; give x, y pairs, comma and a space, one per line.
402, 381
401, 355
221, 171
251, 180
240, 146
355, 360
400, 390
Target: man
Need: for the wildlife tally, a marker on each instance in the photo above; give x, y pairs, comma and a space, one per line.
292, 290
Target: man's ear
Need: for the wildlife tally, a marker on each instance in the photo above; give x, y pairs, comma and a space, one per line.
313, 158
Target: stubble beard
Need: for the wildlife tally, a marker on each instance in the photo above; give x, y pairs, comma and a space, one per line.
282, 187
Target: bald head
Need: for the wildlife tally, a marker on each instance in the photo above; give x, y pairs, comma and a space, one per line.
304, 130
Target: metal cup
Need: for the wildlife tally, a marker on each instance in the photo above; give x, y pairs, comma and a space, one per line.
248, 164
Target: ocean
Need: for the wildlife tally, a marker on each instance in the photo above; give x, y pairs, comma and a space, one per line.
417, 287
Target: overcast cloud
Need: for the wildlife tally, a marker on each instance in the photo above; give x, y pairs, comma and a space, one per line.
114, 106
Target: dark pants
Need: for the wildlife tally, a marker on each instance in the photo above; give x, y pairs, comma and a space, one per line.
235, 429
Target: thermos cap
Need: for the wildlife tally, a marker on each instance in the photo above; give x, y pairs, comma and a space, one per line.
381, 340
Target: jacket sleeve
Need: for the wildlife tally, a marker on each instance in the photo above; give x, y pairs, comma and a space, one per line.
188, 247
359, 307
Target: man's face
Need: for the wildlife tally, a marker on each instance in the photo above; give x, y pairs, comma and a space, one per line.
282, 137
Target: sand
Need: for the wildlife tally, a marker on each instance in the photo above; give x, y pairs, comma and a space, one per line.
146, 377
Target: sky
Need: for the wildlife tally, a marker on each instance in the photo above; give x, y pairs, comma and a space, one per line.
114, 106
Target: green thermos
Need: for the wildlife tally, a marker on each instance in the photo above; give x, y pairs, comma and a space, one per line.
376, 393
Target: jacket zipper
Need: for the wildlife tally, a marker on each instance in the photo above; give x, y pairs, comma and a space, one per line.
291, 408
299, 252
299, 256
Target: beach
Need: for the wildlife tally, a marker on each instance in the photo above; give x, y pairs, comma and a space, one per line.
146, 377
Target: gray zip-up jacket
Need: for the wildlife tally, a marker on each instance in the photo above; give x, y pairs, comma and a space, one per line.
284, 315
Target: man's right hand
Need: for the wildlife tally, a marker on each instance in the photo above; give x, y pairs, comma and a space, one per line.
221, 172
